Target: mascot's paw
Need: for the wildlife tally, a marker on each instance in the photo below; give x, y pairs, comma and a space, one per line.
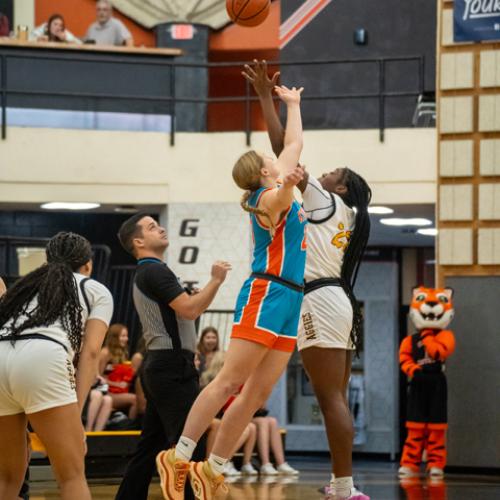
407, 472
435, 472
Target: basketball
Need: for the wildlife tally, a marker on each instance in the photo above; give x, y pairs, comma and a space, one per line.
248, 12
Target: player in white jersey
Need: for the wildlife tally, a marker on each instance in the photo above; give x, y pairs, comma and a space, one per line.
336, 205
46, 317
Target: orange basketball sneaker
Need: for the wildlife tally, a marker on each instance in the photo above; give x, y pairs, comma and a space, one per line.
206, 485
173, 474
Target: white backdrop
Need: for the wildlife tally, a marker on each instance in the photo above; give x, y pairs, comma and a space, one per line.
201, 233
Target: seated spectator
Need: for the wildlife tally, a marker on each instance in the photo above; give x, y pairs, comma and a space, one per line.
4, 25
117, 370
107, 30
216, 364
136, 362
99, 407
54, 30
247, 439
268, 433
208, 346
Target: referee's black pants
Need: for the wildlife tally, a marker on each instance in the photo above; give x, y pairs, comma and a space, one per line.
170, 383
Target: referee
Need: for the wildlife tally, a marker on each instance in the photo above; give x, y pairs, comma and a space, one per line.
167, 313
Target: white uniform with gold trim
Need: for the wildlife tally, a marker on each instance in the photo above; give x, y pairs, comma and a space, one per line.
326, 314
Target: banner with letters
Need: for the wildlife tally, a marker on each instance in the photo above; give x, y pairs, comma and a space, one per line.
476, 20
201, 233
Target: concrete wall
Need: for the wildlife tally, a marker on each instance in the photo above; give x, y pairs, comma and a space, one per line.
38, 165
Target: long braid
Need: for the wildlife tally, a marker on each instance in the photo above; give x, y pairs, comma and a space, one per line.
247, 175
254, 210
358, 196
54, 286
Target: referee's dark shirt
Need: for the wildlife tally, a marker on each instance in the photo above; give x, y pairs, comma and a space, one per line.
155, 286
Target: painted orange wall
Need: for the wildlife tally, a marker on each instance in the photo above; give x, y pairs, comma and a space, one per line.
79, 14
262, 37
237, 43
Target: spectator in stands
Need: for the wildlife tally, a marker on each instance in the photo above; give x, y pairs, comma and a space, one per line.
108, 30
136, 361
268, 433
4, 25
54, 30
116, 368
208, 346
247, 439
99, 406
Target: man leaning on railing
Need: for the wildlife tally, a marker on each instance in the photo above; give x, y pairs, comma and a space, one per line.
107, 30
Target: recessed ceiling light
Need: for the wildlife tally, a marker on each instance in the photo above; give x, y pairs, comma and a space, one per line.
395, 221
380, 210
62, 205
428, 231
126, 209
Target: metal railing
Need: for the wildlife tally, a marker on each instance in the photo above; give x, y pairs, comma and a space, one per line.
171, 97
9, 266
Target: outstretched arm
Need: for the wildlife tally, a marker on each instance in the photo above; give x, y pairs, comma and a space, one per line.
290, 156
258, 76
263, 85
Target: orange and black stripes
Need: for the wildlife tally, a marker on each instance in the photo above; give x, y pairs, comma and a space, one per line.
439, 346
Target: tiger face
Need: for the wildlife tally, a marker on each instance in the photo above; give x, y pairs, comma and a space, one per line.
431, 308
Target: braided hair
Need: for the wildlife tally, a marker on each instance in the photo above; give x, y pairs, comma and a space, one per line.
54, 286
246, 174
358, 197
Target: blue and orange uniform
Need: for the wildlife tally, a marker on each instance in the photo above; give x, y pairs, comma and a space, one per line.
268, 306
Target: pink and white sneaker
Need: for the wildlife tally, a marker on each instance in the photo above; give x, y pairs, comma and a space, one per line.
355, 494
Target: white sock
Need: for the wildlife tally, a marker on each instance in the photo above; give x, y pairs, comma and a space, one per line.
185, 449
343, 486
332, 483
217, 463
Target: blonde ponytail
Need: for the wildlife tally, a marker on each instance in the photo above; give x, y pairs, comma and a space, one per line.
246, 174
256, 211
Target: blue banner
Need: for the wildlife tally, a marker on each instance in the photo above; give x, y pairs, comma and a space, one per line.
476, 20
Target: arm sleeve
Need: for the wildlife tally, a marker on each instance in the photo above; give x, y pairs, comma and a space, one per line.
440, 346
163, 283
317, 202
123, 31
72, 38
101, 301
406, 361
38, 31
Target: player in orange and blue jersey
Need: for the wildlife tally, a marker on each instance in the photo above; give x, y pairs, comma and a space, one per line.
267, 313
268, 306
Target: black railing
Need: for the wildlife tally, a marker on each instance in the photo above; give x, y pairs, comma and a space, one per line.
9, 261
171, 97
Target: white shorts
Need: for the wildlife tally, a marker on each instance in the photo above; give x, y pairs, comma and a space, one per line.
325, 319
35, 375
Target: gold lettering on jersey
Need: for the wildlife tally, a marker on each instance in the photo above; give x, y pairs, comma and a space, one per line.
307, 320
341, 239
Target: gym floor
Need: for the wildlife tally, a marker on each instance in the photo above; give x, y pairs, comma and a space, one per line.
377, 479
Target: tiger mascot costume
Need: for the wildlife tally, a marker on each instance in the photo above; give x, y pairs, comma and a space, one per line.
422, 356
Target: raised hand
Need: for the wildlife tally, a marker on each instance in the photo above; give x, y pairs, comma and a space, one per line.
220, 269
288, 96
258, 76
294, 177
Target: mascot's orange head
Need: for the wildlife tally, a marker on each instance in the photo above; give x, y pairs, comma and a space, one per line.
431, 308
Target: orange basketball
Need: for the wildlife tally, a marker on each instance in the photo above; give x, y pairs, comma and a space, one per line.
248, 12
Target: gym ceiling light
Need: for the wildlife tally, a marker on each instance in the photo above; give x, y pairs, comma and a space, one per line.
62, 205
380, 210
416, 221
